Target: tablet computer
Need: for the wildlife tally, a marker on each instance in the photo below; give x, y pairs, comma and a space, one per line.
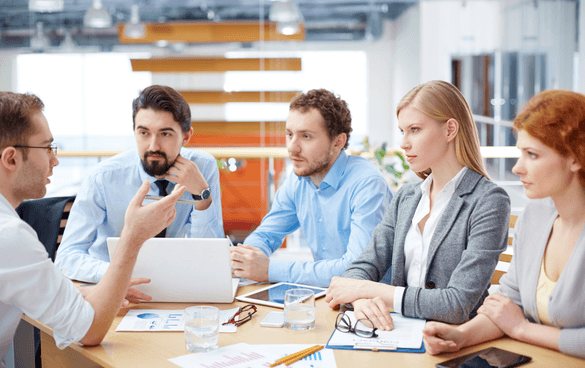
273, 295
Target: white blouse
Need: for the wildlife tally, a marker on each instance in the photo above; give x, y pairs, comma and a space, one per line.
416, 245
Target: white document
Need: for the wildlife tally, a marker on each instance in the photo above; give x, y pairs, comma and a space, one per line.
324, 358
246, 356
407, 334
141, 320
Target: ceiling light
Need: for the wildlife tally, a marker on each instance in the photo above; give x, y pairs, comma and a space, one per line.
97, 16
39, 42
287, 15
135, 28
45, 6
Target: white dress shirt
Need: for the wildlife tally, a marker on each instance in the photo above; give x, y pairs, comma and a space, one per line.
30, 283
416, 246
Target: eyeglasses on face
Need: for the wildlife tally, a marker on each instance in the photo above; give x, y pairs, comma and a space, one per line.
52, 148
245, 314
363, 327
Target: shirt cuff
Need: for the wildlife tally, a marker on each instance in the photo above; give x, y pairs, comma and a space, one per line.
398, 295
279, 271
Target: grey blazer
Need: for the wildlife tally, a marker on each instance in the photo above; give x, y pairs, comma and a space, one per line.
463, 253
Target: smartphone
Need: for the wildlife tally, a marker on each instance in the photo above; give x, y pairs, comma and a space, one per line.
487, 358
273, 319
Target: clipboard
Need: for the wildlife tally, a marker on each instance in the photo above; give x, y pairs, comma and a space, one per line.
400, 322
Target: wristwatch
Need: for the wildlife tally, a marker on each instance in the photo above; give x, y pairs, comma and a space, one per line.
205, 194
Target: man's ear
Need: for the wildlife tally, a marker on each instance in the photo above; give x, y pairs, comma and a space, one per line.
452, 126
10, 159
187, 136
339, 141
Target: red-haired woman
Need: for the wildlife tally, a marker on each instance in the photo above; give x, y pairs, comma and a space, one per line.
541, 299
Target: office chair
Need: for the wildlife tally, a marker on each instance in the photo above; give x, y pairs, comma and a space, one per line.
48, 217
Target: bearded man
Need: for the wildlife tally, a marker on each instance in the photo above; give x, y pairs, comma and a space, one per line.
162, 126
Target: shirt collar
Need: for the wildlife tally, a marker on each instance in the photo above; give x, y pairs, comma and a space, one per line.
449, 187
335, 173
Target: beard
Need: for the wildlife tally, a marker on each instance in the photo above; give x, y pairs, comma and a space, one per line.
156, 168
315, 167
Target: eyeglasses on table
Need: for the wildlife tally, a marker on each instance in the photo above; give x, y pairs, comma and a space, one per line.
245, 314
362, 327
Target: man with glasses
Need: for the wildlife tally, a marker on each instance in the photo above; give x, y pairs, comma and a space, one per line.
162, 126
29, 282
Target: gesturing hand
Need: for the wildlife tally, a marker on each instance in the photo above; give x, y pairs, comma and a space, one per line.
142, 222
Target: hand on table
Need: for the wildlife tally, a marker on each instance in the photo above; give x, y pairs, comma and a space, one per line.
343, 290
249, 262
376, 311
440, 337
133, 295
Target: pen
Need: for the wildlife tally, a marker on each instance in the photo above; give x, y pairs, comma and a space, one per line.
156, 198
231, 242
290, 359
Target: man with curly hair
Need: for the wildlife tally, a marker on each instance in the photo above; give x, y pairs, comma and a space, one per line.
335, 199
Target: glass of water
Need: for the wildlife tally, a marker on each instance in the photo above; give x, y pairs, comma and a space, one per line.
201, 328
299, 309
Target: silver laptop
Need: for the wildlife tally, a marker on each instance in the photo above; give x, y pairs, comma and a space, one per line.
184, 269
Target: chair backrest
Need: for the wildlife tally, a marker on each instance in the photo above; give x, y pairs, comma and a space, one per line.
506, 256
48, 217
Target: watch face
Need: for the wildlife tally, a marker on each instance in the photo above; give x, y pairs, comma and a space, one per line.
205, 194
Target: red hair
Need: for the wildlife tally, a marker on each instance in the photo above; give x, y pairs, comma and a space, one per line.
557, 119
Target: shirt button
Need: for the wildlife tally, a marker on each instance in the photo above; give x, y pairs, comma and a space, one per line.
320, 220
324, 248
430, 285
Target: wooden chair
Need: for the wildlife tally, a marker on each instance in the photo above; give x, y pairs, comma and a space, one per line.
506, 256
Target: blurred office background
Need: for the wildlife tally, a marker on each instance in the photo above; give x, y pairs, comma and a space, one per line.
87, 60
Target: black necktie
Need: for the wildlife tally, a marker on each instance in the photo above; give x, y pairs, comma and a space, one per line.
162, 189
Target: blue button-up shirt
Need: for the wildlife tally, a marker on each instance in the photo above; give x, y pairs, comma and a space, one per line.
99, 209
337, 218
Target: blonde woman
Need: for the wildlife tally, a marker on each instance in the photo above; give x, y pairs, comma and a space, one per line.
541, 299
442, 237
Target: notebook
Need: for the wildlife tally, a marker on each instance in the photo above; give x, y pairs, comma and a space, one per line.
185, 270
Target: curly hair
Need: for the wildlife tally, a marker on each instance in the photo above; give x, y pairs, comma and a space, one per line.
333, 109
16, 110
163, 98
442, 101
557, 119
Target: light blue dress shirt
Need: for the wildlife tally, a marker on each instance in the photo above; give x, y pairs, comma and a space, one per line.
337, 218
99, 209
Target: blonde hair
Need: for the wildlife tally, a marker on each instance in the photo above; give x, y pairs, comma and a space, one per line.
442, 101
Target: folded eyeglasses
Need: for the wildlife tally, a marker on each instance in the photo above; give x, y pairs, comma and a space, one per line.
362, 327
245, 314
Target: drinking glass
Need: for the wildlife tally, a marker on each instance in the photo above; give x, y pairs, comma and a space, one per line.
299, 309
201, 328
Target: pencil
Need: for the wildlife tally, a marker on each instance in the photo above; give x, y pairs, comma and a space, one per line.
289, 359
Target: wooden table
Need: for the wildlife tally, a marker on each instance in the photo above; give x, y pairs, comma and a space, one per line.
152, 349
